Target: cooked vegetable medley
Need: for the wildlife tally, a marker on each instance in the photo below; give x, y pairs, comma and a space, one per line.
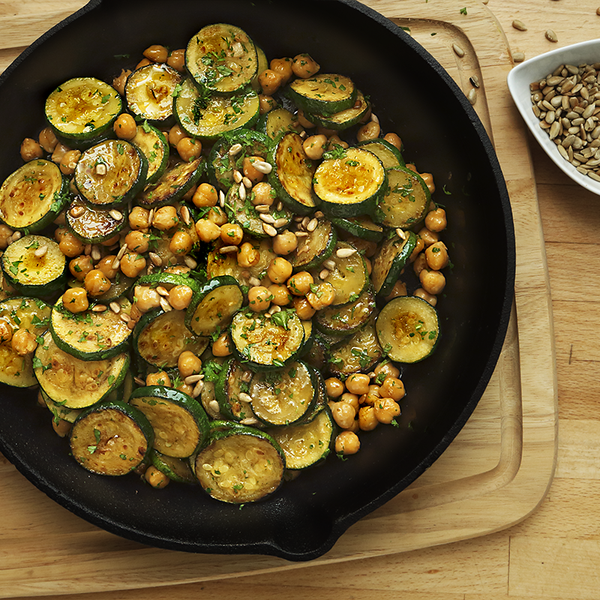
215, 265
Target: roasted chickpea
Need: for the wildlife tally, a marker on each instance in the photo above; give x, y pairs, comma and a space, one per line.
283, 66
305, 66
156, 53
347, 442
419, 247
181, 243
285, 243
352, 399
263, 194
314, 146
189, 364
146, 298
303, 308
159, 378
343, 414
430, 298
270, 81
48, 140
367, 421
176, 59
266, 103
221, 347
105, 264
132, 264
280, 294
180, 296
321, 296
253, 174
435, 220
157, 479
30, 150
176, 134
248, 256
394, 139
125, 127
358, 383
399, 289
138, 241
386, 369
428, 179
259, 298
61, 427
119, 82
428, 237
393, 388
75, 300
217, 215
279, 270
165, 218
5, 234
386, 410
205, 195
369, 131
189, 149
433, 282
437, 256
6, 332
80, 266
419, 264
69, 162
23, 342
96, 283
300, 283
303, 121
207, 230
232, 234
139, 218
59, 153
70, 246
334, 387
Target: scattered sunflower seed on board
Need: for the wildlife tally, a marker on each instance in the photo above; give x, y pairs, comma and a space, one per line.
567, 104
519, 25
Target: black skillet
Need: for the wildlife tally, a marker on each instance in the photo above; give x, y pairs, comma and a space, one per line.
412, 96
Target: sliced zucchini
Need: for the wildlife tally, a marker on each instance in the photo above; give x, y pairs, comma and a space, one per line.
153, 144
361, 227
240, 465
179, 422
149, 92
208, 117
168, 280
347, 319
173, 184
159, 338
93, 225
263, 65
34, 266
267, 343
390, 259
314, 248
222, 58
387, 153
285, 396
233, 381
175, 469
82, 108
120, 287
408, 329
59, 412
112, 438
292, 174
350, 182
74, 383
110, 173
91, 335
33, 196
343, 119
306, 444
316, 355
277, 122
324, 93
406, 201
213, 306
29, 314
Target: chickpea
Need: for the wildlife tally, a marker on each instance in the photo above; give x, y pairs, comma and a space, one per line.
300, 284
70, 246
283, 66
394, 139
113, 241
279, 270
221, 347
156, 53
280, 294
428, 237
48, 140
334, 387
433, 282
59, 153
158, 378
80, 266
253, 174
248, 256
314, 146
428, 179
75, 300
321, 296
69, 161
205, 195
180, 296
176, 59
231, 234
421, 293
61, 427
346, 443
303, 308
5, 234
343, 414
139, 218
176, 134
105, 264
189, 364
367, 421
30, 150
266, 103
420, 264
393, 388
419, 247
207, 230
369, 131
6, 332
437, 256
263, 193
23, 342
369, 399
96, 283
217, 215
436, 220
270, 81
181, 243
335, 140
165, 218
157, 479
189, 149
285, 243
125, 127
387, 369
143, 63
119, 82
137, 241
411, 167
304, 66
358, 383
386, 410
259, 298
399, 289
303, 121
132, 264
146, 298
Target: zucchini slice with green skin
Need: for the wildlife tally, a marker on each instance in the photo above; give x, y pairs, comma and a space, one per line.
277, 122
266, 343
324, 93
29, 314
285, 396
93, 225
34, 266
209, 117
361, 227
314, 248
343, 119
91, 335
347, 319
348, 274
222, 163
357, 354
350, 182
168, 280
110, 173
306, 444
390, 259
154, 146
176, 469
292, 174
233, 380
149, 92
222, 58
120, 287
159, 337
387, 153
179, 422
408, 329
406, 201
82, 108
74, 383
240, 464
33, 196
214, 305
172, 185
112, 438
263, 65
59, 412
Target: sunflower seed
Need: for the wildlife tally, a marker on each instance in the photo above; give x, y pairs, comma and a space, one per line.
191, 379
551, 36
472, 96
345, 252
458, 50
116, 215
518, 57
262, 167
155, 258
185, 215
269, 230
247, 182
198, 389
262, 208
519, 25
77, 211
241, 192
98, 308
244, 397
122, 251
312, 225
235, 149
267, 218
115, 307
41, 251
228, 249
280, 223
190, 262
164, 304
474, 81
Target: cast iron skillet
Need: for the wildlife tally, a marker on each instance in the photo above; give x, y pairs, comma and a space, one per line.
413, 96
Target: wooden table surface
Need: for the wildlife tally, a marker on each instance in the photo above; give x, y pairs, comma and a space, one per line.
554, 553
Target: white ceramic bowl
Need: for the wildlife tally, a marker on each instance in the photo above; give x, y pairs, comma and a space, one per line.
534, 69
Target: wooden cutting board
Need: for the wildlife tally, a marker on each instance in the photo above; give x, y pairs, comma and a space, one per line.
494, 474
